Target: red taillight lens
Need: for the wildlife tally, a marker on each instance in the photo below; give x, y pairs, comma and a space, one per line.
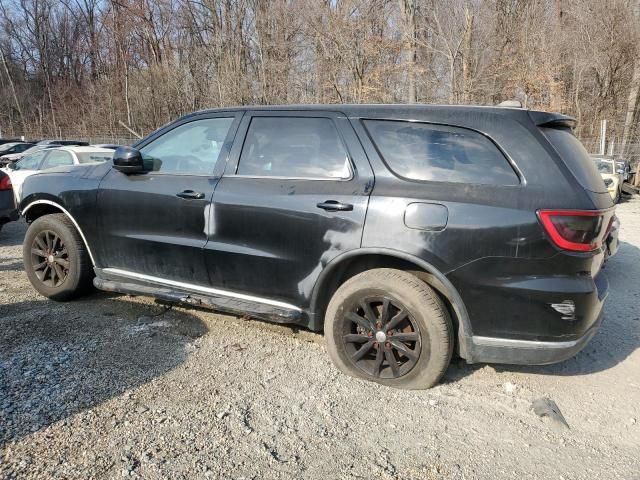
5, 183
577, 230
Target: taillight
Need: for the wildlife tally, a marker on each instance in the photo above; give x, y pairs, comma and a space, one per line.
5, 183
577, 230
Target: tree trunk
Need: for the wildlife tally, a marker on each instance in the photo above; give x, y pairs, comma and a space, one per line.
13, 89
632, 107
466, 56
408, 10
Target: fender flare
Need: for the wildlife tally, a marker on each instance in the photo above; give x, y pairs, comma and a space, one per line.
26, 207
445, 287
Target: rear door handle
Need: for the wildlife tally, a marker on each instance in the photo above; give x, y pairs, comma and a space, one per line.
191, 195
335, 206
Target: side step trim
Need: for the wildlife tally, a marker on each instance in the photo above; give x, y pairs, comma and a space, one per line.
197, 288
513, 343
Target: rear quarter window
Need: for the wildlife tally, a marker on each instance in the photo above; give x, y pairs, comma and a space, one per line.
421, 151
576, 158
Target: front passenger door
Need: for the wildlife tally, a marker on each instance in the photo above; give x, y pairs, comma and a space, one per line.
154, 224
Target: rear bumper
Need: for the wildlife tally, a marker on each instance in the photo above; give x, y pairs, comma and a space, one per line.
528, 352
612, 239
534, 352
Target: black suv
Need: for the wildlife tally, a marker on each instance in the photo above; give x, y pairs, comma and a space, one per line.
403, 232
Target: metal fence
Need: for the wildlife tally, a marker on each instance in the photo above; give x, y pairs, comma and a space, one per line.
632, 150
117, 138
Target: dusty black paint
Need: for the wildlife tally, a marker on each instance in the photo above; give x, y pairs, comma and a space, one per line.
266, 237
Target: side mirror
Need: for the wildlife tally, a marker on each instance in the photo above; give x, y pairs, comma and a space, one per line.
12, 166
128, 160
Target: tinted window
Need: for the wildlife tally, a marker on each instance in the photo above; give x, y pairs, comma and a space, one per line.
192, 148
420, 151
576, 158
297, 147
57, 158
30, 162
21, 148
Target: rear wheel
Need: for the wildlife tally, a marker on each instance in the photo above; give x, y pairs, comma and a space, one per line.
55, 258
390, 327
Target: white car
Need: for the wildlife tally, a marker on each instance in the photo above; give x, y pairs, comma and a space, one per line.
612, 178
51, 158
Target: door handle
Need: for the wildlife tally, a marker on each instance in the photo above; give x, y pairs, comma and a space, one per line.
335, 206
191, 195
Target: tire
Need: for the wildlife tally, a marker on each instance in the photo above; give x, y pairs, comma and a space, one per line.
426, 331
70, 273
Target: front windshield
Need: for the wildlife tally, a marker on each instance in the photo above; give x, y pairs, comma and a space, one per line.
605, 166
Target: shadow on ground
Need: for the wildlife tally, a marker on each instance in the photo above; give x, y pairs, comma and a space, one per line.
58, 359
618, 337
12, 233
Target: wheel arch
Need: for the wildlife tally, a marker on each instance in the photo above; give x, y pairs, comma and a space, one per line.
32, 209
353, 262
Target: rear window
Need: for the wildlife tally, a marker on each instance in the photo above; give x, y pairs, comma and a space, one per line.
576, 158
421, 151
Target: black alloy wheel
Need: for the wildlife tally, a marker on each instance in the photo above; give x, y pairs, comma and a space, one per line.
49, 258
381, 337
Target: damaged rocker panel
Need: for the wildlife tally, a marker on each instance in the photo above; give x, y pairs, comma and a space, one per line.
214, 299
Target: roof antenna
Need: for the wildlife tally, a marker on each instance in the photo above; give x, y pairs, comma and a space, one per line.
511, 104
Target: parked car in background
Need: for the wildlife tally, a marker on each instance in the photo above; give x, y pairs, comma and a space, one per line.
53, 157
402, 232
63, 142
8, 211
9, 140
12, 148
13, 157
611, 177
623, 167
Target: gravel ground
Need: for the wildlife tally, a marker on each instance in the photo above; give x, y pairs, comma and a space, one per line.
115, 386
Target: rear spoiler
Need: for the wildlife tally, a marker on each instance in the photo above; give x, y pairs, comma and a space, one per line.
557, 120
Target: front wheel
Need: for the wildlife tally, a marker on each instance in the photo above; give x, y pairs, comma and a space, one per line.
55, 258
390, 327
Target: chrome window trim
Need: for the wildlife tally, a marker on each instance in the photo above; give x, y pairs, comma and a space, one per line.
315, 179
73, 220
198, 288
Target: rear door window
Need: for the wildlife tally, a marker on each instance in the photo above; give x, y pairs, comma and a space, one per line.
438, 153
576, 158
293, 147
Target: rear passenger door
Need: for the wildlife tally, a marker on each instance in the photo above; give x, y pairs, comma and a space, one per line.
293, 196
